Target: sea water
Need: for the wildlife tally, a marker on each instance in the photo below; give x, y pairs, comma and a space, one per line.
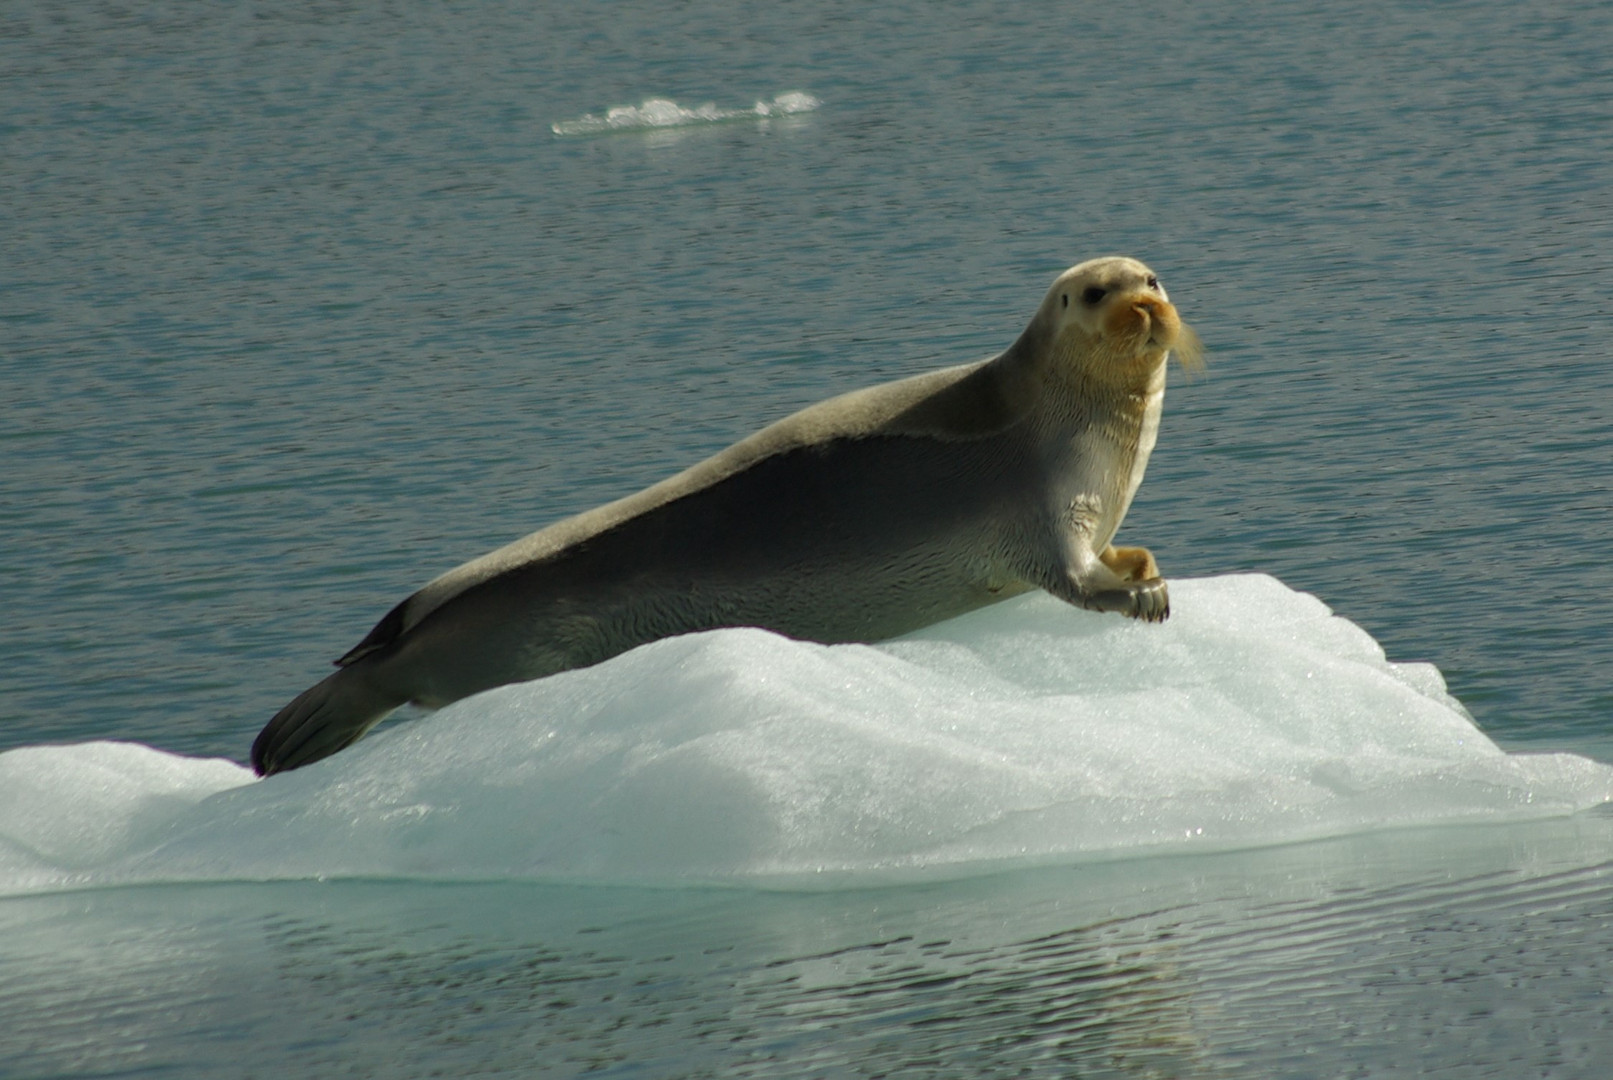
301, 306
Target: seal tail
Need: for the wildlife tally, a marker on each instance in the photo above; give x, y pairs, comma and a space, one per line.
328, 716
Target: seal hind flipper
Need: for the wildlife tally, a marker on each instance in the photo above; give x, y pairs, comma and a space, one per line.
382, 634
329, 716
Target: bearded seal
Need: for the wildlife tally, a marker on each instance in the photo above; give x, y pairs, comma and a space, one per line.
860, 518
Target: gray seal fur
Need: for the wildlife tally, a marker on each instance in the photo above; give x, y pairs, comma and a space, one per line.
860, 518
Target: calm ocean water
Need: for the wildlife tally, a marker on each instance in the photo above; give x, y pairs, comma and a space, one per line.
301, 305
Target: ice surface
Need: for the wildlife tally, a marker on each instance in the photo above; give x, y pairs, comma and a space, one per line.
1026, 732
662, 113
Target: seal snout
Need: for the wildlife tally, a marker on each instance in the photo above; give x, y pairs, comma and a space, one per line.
1143, 316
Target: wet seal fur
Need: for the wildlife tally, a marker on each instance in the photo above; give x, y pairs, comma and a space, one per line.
860, 518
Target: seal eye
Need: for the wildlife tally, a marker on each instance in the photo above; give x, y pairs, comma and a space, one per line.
1092, 294
1153, 282
1066, 298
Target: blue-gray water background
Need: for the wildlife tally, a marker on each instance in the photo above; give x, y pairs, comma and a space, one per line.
303, 304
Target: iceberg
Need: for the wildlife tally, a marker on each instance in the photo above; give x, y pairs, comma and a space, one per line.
1025, 733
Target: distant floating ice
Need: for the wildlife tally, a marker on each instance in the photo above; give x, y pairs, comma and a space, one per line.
1027, 732
663, 113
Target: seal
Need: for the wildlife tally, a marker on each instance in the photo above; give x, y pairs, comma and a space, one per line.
856, 519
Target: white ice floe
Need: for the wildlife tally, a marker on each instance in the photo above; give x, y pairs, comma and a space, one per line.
1027, 732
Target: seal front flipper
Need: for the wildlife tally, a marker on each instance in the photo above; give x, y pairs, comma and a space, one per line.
1146, 596
1131, 563
1100, 582
1149, 601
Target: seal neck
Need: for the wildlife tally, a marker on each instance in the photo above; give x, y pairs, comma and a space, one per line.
1110, 375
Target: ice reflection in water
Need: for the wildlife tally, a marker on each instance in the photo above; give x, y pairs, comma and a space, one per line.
1303, 961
